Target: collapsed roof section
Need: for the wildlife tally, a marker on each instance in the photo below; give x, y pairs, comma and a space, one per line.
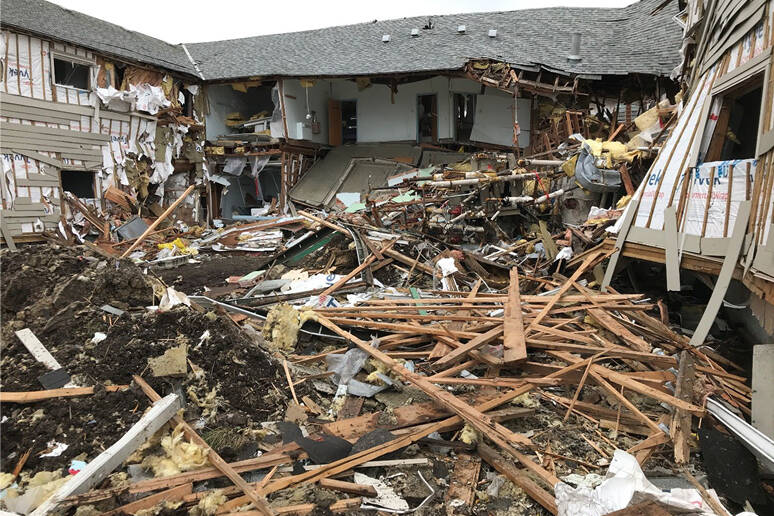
634, 41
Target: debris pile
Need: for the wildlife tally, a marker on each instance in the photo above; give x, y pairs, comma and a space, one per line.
362, 368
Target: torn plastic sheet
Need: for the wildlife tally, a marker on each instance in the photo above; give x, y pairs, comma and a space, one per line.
235, 165
593, 179
172, 298
115, 100
56, 447
257, 164
148, 98
625, 484
345, 367
564, 254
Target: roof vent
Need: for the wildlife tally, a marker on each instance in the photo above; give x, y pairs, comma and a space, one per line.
492, 33
575, 57
414, 33
460, 29
386, 38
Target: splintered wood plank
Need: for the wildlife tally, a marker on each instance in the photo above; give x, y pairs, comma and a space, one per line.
502, 436
350, 408
464, 479
348, 487
37, 349
473, 344
33, 396
562, 290
680, 429
399, 417
515, 346
216, 460
605, 320
176, 493
518, 477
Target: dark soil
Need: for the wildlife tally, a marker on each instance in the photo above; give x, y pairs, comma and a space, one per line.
212, 272
57, 293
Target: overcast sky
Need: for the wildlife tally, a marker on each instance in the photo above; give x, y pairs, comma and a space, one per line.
184, 21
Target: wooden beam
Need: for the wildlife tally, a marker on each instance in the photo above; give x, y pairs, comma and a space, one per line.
680, 429
518, 477
34, 396
515, 347
172, 494
481, 422
348, 487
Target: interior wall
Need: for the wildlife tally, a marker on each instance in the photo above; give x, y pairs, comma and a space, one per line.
224, 100
294, 97
380, 120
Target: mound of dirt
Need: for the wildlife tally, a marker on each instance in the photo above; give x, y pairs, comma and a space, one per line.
57, 293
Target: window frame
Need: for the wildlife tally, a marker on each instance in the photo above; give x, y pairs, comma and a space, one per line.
79, 60
760, 64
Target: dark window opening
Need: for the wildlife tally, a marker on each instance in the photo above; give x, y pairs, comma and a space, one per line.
427, 117
67, 73
119, 71
464, 115
349, 120
736, 131
187, 102
80, 183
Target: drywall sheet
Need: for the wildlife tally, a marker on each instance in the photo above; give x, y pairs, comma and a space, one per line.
495, 117
717, 175
672, 160
316, 184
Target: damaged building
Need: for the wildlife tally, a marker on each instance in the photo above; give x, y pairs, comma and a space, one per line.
92, 112
492, 263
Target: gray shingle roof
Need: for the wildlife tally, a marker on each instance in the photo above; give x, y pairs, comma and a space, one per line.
614, 41
50, 20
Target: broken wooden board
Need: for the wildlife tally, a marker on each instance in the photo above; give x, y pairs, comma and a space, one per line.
464, 480
680, 428
162, 411
515, 346
518, 477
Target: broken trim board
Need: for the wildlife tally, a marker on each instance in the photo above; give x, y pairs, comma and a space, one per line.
724, 278
670, 250
37, 349
161, 412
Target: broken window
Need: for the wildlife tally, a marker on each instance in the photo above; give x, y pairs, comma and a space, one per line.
80, 183
464, 115
735, 134
69, 73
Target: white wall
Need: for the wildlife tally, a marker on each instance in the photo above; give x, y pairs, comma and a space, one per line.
381, 120
495, 115
294, 96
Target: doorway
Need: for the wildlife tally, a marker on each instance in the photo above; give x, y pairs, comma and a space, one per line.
342, 122
427, 118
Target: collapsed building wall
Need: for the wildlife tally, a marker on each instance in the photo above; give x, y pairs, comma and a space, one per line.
76, 121
716, 167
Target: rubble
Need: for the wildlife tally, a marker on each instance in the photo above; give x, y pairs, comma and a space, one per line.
438, 326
